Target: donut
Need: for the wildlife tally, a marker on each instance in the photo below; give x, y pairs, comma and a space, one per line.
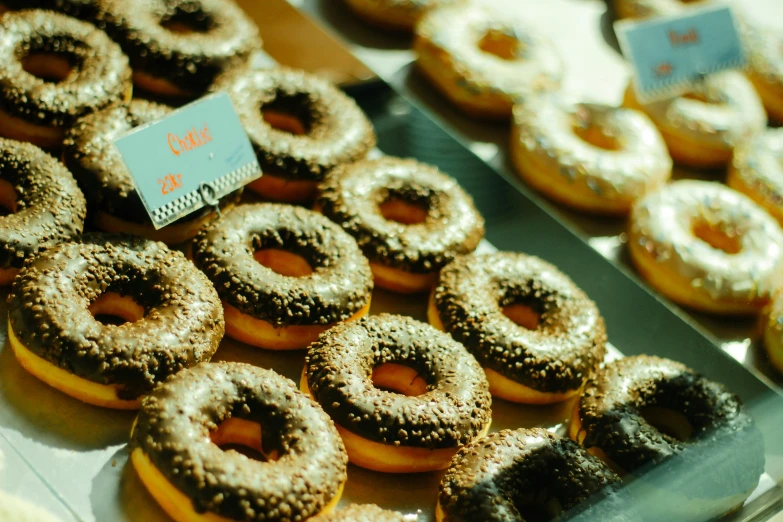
361, 513
301, 127
756, 170
178, 47
765, 69
675, 430
177, 438
43, 203
773, 333
702, 128
707, 247
285, 274
54, 69
84, 9
649, 8
535, 333
514, 475
484, 59
395, 15
404, 397
172, 315
115, 205
18, 510
409, 219
590, 157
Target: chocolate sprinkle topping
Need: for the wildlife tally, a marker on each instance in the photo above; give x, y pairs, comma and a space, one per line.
89, 152
50, 208
453, 411
222, 37
340, 285
611, 410
352, 196
100, 76
566, 347
510, 474
173, 430
361, 513
336, 129
182, 323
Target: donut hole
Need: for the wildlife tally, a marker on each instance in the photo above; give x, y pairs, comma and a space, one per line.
115, 309
717, 237
398, 378
538, 506
7, 198
500, 44
242, 436
595, 136
183, 22
283, 262
49, 67
288, 113
522, 315
405, 212
668, 421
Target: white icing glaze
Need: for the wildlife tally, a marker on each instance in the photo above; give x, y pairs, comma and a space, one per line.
758, 163
458, 31
765, 55
663, 223
731, 113
640, 163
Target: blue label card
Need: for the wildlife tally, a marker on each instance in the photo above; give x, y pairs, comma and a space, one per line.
189, 159
670, 54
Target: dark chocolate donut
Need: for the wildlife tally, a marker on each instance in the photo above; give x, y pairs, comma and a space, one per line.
340, 285
700, 439
352, 196
48, 207
527, 474
84, 9
89, 152
361, 513
100, 75
336, 129
49, 311
173, 431
454, 410
185, 42
558, 355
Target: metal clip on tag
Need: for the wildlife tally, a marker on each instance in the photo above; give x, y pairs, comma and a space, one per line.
208, 192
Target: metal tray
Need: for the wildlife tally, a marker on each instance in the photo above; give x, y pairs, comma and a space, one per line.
594, 71
71, 457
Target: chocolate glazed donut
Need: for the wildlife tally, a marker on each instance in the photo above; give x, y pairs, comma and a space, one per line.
179, 321
644, 411
93, 73
301, 128
409, 219
563, 337
528, 474
334, 285
89, 152
178, 47
175, 447
445, 401
46, 205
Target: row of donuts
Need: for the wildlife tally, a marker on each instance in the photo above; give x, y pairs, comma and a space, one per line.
700, 244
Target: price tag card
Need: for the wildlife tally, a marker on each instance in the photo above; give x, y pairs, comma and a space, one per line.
189, 159
670, 54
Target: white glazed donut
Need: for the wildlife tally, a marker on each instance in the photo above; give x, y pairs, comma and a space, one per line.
484, 59
707, 247
591, 157
702, 127
765, 61
757, 171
